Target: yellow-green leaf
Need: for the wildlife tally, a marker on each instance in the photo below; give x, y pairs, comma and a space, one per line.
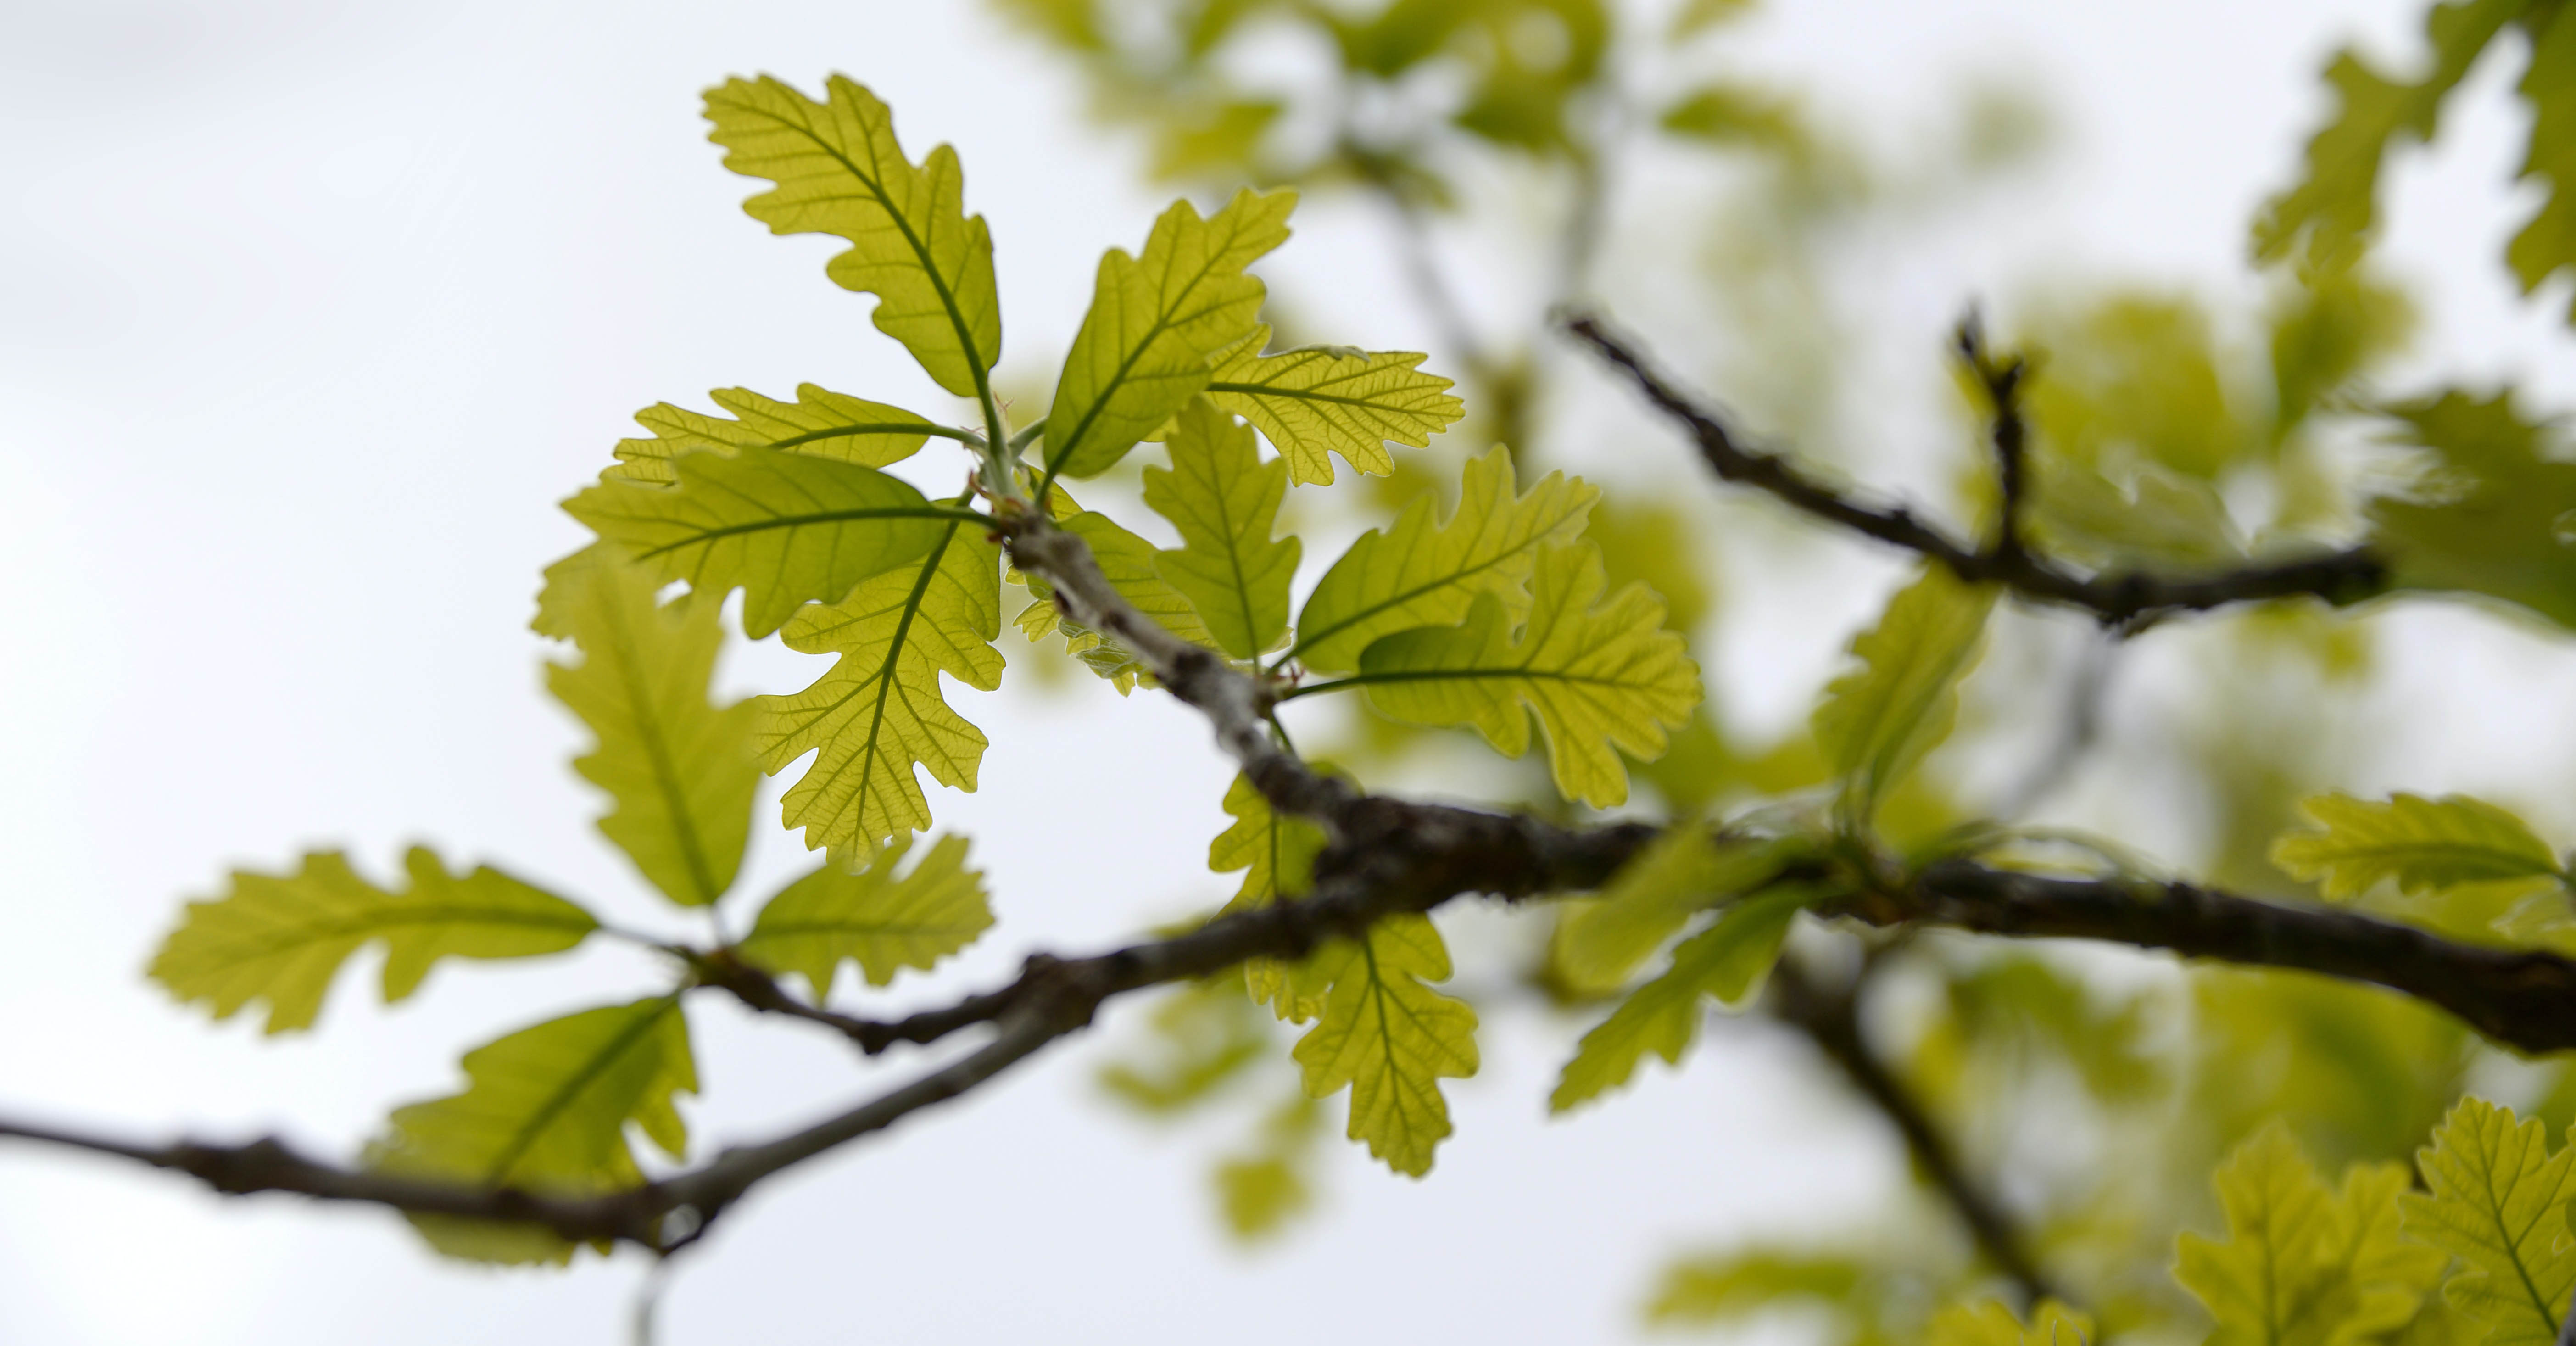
1602, 675
2548, 242
1154, 321
2335, 201
1413, 573
282, 937
545, 1110
1316, 401
881, 921
2492, 516
1687, 870
1727, 961
1705, 1290
820, 422
1225, 502
1879, 718
878, 712
1390, 1039
2303, 1265
1277, 855
839, 171
2498, 1202
1991, 1324
679, 770
2423, 845
786, 528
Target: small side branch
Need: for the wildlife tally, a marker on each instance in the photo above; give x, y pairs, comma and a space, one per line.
2001, 377
2123, 598
1829, 1017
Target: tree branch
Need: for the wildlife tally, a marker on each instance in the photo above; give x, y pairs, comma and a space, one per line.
2115, 598
1830, 1019
2523, 998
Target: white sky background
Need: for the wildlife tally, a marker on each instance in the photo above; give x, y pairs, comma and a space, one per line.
309, 314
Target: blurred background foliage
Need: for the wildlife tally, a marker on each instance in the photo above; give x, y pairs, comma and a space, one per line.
2090, 1092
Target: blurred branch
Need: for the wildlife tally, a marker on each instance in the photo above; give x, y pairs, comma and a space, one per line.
2121, 598
2078, 728
2000, 376
1830, 1018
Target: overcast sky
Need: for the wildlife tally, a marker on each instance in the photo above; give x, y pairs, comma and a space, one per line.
309, 314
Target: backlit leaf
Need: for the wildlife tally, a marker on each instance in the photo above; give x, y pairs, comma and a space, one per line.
2493, 517
1154, 321
545, 1109
1991, 1324
1727, 961
2303, 1265
1390, 1039
1316, 401
1412, 573
1277, 855
678, 769
819, 422
282, 937
786, 528
1687, 870
1879, 718
2423, 845
1602, 675
2548, 242
2335, 203
839, 171
2498, 1202
881, 921
878, 712
1225, 502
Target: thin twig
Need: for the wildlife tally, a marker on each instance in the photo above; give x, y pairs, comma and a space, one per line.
2001, 378
1830, 1018
2114, 599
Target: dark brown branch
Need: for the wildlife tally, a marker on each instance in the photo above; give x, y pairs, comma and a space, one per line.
1830, 1018
2000, 376
2522, 998
2117, 598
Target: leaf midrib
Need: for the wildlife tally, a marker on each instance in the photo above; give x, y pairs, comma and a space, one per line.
561, 1099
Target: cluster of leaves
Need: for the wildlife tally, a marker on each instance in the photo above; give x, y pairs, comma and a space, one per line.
1485, 615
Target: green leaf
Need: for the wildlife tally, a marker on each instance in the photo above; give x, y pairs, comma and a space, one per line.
2493, 517
545, 1110
1390, 1039
1991, 1324
679, 770
2424, 845
1154, 321
1707, 1290
878, 713
1686, 871
883, 922
1225, 502
1878, 719
1316, 401
839, 171
785, 528
282, 937
1277, 855
2548, 242
2333, 206
2303, 1265
1727, 960
1260, 1192
1727, 113
1412, 573
1203, 1036
819, 422
2498, 1202
1601, 675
